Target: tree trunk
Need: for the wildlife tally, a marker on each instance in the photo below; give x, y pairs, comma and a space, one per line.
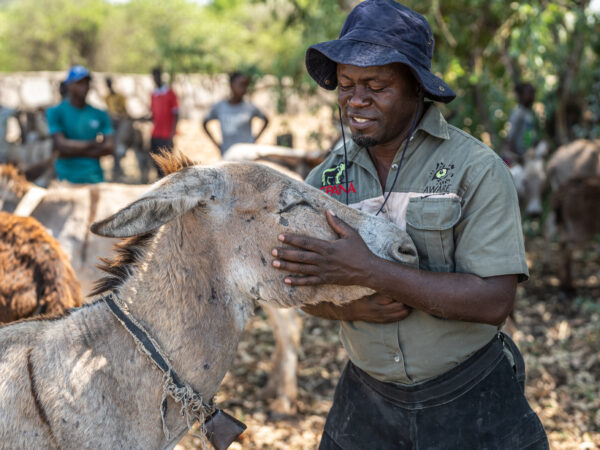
479, 98
566, 80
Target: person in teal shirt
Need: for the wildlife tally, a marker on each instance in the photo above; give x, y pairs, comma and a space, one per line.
81, 134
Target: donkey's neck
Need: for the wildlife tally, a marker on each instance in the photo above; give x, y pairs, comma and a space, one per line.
177, 292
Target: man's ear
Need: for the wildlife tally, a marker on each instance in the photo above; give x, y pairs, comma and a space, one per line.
170, 197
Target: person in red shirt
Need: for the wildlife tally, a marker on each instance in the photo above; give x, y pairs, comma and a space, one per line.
165, 113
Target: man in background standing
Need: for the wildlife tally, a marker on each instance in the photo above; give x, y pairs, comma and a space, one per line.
5, 114
522, 125
165, 114
235, 115
81, 134
117, 109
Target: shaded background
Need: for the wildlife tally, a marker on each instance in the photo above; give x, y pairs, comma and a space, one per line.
483, 47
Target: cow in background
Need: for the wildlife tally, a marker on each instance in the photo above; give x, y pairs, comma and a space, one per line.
573, 174
577, 218
530, 180
580, 158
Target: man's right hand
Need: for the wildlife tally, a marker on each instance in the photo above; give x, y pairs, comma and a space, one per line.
375, 308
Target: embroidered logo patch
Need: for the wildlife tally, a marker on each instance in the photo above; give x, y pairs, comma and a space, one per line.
333, 180
440, 178
333, 175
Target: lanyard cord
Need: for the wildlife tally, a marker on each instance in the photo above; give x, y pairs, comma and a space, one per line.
345, 152
412, 130
408, 138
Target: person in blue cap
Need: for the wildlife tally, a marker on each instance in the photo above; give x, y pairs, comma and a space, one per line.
429, 366
81, 134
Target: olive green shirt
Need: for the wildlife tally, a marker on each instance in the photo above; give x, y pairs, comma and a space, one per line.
456, 199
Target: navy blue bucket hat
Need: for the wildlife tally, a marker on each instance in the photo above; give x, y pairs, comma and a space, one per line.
376, 33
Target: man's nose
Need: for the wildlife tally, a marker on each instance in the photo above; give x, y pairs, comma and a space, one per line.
359, 97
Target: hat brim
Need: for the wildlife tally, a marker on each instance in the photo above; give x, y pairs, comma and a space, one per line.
322, 60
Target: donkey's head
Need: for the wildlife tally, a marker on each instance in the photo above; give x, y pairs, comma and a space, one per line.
229, 215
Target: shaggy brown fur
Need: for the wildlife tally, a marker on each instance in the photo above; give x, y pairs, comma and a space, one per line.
35, 274
171, 162
13, 180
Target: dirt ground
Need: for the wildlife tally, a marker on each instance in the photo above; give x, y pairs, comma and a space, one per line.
559, 336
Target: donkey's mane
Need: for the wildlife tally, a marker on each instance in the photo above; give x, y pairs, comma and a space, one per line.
130, 250
11, 179
171, 162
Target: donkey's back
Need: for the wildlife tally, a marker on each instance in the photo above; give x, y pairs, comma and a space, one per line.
64, 383
22, 424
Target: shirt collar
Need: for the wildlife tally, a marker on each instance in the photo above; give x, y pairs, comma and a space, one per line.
161, 90
433, 122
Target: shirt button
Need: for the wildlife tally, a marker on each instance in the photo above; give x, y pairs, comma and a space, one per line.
397, 358
394, 166
383, 210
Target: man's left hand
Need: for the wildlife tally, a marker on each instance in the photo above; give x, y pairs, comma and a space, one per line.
344, 261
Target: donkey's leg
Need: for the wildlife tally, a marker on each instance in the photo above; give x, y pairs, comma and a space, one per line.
282, 384
566, 269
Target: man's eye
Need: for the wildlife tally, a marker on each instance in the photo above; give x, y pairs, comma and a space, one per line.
376, 89
344, 88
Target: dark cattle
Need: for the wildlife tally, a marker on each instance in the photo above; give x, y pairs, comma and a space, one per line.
575, 206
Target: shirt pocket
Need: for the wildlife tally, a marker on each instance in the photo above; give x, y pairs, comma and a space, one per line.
430, 223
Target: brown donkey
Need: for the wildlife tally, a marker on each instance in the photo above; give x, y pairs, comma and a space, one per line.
35, 274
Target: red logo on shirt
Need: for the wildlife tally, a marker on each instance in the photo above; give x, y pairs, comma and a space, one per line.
337, 189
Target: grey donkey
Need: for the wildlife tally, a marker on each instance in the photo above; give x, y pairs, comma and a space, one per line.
193, 266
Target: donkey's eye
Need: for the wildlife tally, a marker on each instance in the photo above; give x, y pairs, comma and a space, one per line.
293, 205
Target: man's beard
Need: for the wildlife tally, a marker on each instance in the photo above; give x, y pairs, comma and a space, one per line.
364, 141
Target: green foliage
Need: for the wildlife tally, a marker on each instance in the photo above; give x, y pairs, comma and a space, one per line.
50, 34
483, 47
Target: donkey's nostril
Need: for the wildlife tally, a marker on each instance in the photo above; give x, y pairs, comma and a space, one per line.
403, 253
407, 251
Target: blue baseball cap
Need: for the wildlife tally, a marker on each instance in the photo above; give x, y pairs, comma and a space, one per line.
377, 33
77, 73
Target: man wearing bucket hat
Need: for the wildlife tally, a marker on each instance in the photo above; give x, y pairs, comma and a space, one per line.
81, 133
429, 367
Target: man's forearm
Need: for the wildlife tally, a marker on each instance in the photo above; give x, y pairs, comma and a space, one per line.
262, 130
104, 148
210, 136
325, 310
456, 296
348, 261
69, 148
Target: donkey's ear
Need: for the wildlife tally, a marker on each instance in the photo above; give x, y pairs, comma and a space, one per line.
172, 196
143, 215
